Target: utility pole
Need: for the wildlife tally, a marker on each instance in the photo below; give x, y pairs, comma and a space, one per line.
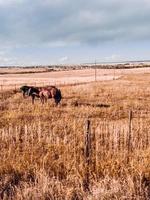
114, 73
95, 72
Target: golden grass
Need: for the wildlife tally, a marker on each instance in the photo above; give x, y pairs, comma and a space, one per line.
42, 147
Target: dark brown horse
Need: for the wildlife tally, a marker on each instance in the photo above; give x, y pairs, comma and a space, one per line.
25, 90
50, 92
30, 91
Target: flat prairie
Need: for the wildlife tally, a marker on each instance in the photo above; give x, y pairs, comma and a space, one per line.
65, 77
49, 152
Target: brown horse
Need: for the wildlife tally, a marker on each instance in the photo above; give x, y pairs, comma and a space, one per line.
50, 92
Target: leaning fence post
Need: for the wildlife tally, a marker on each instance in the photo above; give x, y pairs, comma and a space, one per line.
87, 155
129, 134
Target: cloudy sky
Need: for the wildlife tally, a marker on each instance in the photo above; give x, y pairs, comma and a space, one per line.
69, 31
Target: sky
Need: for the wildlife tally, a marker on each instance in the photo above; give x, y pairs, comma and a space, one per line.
45, 32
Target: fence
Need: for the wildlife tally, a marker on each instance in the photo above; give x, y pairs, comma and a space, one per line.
81, 147
17, 86
40, 84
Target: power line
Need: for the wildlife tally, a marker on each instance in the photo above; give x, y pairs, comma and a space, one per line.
120, 62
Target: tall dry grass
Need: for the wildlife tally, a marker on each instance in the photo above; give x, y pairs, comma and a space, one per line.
42, 147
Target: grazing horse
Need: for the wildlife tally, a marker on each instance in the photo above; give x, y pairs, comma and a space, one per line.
42, 93
24, 89
50, 92
30, 91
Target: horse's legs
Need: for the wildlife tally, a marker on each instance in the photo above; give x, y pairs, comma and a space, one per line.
56, 103
33, 97
45, 99
24, 95
42, 99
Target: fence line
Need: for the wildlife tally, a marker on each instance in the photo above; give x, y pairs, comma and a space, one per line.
101, 140
40, 84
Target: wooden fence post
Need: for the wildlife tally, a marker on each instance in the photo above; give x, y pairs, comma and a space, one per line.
1, 87
129, 146
87, 155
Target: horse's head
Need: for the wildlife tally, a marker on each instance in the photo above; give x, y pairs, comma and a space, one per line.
24, 88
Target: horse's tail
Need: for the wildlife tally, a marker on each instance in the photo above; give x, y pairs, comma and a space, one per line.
58, 96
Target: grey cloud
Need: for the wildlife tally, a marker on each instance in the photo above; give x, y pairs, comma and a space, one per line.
41, 22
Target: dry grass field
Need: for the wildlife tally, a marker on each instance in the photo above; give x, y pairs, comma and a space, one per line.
21, 70
42, 147
15, 78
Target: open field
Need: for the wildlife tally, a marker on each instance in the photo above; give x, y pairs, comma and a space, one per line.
43, 147
21, 70
11, 81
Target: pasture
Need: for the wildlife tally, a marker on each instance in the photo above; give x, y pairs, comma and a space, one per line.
13, 80
44, 152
